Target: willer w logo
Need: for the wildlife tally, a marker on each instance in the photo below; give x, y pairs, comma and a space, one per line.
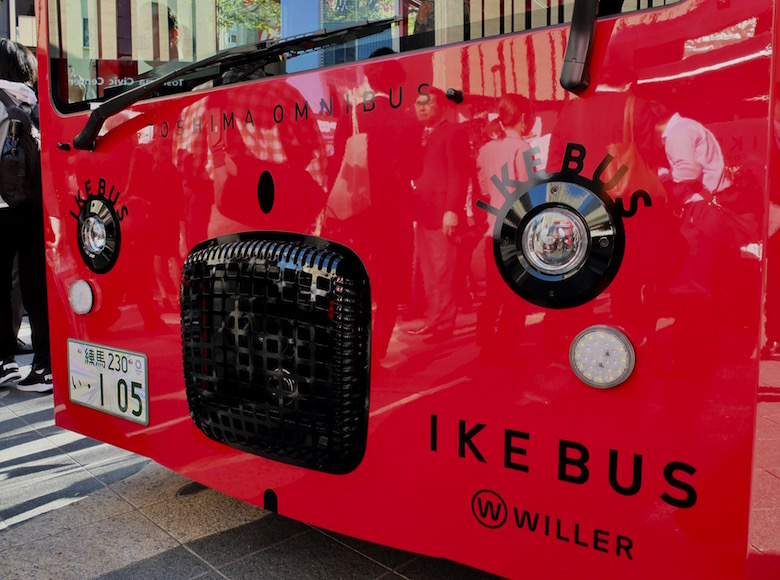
489, 509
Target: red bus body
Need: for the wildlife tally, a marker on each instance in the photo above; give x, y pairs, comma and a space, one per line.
498, 457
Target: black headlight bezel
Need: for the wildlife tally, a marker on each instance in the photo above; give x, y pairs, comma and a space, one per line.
102, 210
606, 244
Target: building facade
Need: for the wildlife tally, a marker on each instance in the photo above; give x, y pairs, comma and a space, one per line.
17, 22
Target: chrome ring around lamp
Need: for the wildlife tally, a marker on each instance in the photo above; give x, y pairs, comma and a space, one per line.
559, 246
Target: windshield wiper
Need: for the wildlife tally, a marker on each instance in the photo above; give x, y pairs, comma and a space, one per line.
258, 54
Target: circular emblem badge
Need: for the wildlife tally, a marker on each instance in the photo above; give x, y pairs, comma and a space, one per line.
489, 508
558, 244
99, 234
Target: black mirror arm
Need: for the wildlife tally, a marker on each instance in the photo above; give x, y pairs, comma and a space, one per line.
575, 76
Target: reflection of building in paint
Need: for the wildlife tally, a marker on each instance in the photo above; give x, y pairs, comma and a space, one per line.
108, 31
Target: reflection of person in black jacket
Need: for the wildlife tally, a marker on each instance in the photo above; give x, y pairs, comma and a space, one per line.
21, 229
440, 199
390, 168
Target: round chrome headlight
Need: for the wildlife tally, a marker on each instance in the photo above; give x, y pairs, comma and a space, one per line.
93, 235
555, 241
559, 244
99, 235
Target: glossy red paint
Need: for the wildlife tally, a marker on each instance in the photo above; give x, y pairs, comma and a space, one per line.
476, 450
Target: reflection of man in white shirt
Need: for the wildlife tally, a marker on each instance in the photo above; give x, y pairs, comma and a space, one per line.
694, 155
507, 150
516, 116
695, 173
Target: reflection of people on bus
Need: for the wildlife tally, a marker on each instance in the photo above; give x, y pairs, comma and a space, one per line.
390, 170
76, 86
163, 254
425, 21
696, 166
772, 329
253, 141
439, 201
169, 53
694, 172
193, 162
160, 267
692, 168
515, 115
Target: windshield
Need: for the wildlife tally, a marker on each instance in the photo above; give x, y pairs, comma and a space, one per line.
101, 48
104, 47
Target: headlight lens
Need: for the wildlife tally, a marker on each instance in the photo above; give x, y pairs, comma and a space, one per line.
93, 235
99, 235
558, 245
555, 241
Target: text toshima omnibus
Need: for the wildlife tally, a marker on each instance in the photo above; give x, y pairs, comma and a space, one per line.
484, 280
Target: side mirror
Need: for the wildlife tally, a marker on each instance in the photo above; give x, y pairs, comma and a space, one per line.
575, 76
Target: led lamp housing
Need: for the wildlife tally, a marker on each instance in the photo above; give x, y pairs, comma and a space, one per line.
81, 297
602, 357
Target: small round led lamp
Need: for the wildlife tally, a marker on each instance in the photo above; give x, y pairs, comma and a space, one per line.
81, 297
93, 236
602, 357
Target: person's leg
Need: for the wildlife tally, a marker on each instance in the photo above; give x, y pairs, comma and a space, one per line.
438, 257
9, 370
32, 273
487, 314
17, 309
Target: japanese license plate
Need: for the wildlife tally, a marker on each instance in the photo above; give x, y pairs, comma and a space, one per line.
109, 379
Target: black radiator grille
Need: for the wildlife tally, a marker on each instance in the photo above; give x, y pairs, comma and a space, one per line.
275, 336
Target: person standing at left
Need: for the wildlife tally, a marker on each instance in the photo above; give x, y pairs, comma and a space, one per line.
439, 204
21, 229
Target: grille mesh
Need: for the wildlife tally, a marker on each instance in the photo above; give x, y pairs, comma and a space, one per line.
275, 336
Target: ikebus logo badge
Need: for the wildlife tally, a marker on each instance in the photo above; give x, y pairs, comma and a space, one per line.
99, 235
489, 508
558, 238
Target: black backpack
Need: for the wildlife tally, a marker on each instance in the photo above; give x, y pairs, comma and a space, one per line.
20, 160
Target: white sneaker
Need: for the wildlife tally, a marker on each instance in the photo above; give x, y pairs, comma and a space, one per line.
38, 381
9, 371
